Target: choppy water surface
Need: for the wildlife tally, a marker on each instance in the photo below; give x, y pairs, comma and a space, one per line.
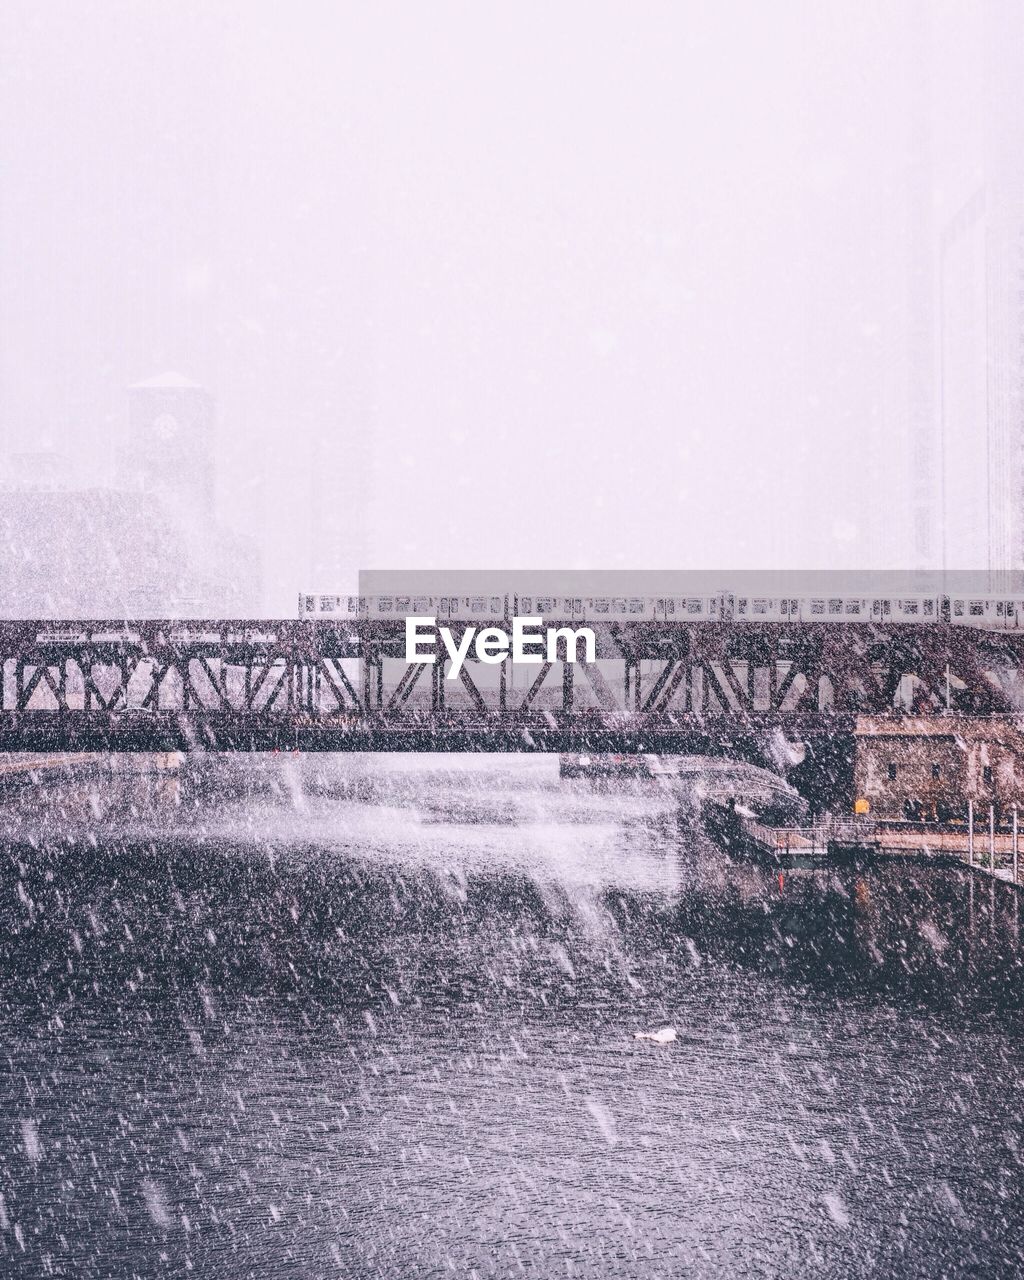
294, 1022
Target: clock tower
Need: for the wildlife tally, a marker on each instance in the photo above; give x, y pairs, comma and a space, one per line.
168, 450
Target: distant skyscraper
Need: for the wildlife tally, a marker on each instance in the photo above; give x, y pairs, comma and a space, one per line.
1004, 80
964, 509
919, 389
979, 253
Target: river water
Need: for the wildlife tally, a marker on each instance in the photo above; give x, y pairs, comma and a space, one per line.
301, 1019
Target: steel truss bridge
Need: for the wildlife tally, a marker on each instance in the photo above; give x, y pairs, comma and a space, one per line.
738, 689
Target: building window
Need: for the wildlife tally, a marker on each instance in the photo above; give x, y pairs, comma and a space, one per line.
986, 773
892, 772
936, 770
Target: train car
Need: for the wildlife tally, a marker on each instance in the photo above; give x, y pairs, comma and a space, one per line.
617, 609
473, 608
830, 609
555, 608
387, 608
766, 609
331, 606
384, 607
689, 608
914, 609
988, 612
1010, 614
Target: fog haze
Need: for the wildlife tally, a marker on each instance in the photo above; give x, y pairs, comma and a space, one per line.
589, 286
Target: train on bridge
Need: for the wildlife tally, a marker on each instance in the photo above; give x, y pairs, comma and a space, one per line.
987, 612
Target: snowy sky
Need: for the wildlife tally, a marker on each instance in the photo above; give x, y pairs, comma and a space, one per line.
555, 285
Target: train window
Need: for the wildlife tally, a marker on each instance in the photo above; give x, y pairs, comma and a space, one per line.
928, 608
495, 604
545, 604
669, 606
835, 606
909, 606
402, 602
477, 604
636, 606
741, 605
422, 604
999, 608
385, 604
977, 608
817, 606
794, 607
853, 606
694, 606
713, 606
601, 605
619, 605
310, 603
892, 772
329, 604
526, 604
577, 605
958, 608
760, 606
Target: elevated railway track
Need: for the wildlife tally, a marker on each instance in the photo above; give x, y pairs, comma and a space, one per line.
781, 694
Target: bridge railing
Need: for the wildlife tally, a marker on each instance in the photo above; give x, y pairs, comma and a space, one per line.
816, 837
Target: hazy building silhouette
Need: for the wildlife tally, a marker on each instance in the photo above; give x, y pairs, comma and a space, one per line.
148, 546
106, 553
